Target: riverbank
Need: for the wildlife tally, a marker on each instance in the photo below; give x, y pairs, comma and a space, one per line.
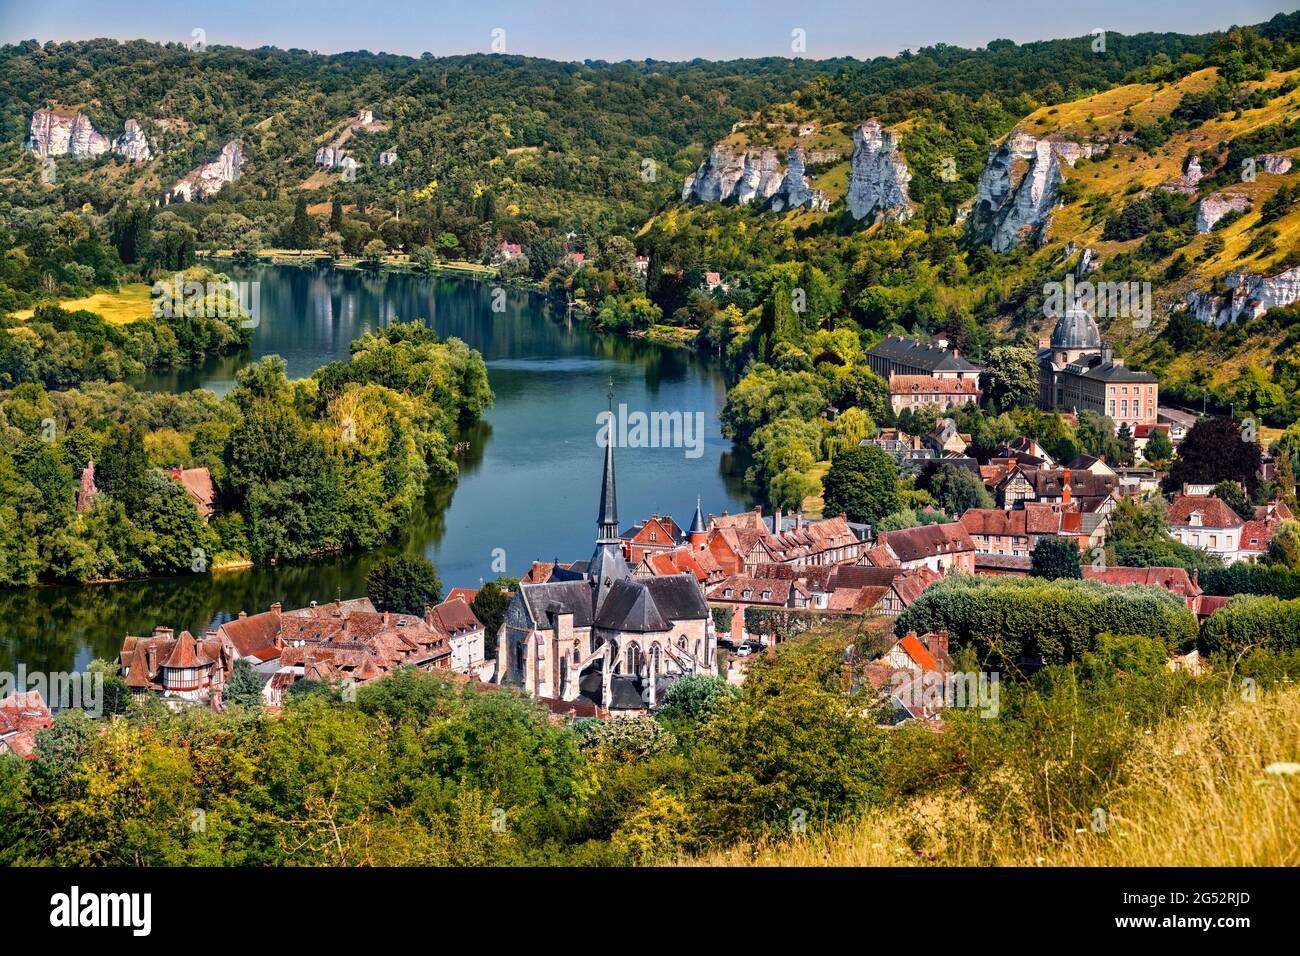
398, 262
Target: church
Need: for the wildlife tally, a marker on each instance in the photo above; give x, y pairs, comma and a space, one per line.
602, 635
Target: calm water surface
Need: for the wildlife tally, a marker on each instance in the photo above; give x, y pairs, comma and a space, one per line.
529, 481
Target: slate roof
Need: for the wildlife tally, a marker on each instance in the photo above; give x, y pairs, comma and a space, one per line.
930, 357
629, 607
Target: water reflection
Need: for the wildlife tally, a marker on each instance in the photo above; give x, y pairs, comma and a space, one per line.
529, 471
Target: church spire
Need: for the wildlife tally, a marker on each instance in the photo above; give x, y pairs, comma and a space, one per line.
607, 521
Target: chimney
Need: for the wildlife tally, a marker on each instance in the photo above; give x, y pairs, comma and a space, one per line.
277, 607
243, 614
776, 521
1196, 573
937, 643
1065, 488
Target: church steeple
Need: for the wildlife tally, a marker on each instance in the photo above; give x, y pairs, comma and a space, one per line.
607, 520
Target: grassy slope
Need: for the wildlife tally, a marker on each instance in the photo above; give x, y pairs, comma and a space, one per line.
131, 304
1197, 794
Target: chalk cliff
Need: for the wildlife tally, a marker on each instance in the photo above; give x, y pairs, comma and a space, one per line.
208, 179
878, 176
1018, 189
63, 133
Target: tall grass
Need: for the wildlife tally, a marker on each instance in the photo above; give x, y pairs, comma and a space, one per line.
1195, 790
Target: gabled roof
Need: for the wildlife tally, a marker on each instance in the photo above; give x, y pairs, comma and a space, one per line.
912, 544
1214, 512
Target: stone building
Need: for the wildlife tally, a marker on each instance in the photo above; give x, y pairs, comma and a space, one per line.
1077, 372
604, 635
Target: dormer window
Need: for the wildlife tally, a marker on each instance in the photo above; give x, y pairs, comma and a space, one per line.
767, 595
746, 593
727, 593
1196, 519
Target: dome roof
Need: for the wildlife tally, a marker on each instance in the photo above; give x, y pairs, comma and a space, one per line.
1076, 330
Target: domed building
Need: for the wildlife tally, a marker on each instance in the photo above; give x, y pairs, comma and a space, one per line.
1077, 373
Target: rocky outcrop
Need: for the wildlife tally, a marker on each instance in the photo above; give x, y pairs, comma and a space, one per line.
1188, 182
878, 176
132, 145
1248, 296
1019, 188
731, 174
60, 133
754, 176
330, 155
1217, 205
208, 179
760, 177
1276, 163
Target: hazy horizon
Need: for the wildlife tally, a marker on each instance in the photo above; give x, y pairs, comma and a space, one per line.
584, 29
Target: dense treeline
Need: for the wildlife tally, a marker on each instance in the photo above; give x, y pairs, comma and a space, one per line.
334, 462
424, 770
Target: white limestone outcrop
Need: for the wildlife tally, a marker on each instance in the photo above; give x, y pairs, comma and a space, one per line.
1248, 296
63, 133
878, 175
1019, 187
133, 145
208, 179
1217, 205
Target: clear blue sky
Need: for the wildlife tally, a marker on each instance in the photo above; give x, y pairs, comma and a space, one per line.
611, 30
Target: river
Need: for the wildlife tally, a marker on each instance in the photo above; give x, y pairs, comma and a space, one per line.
529, 478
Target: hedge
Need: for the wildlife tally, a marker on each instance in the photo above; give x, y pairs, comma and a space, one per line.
1057, 620
1253, 619
1243, 578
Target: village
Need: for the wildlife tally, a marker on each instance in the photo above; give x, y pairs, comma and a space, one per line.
658, 599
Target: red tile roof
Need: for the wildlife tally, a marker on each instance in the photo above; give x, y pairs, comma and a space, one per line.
1214, 512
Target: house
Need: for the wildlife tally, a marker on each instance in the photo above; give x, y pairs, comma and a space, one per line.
609, 637
462, 630
909, 676
740, 591
388, 157
22, 715
999, 531
507, 252
918, 391
1257, 533
198, 485
656, 534
713, 280
1206, 522
802, 542
1177, 421
1093, 465
182, 668
1177, 581
945, 439
940, 547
